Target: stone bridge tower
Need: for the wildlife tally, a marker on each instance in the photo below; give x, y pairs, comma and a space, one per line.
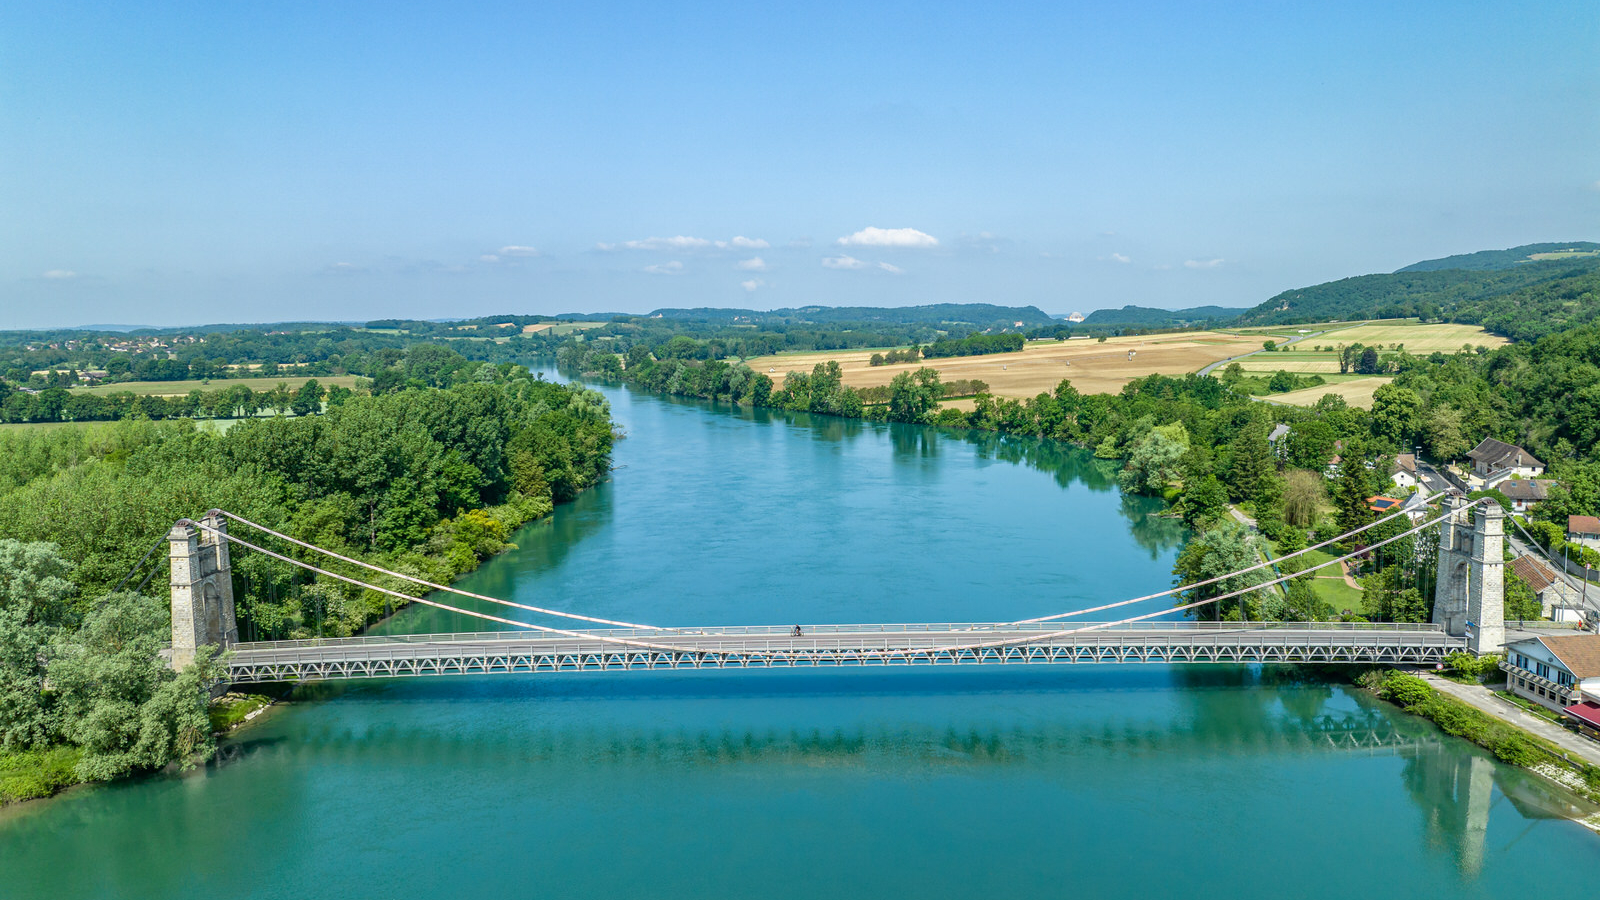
202, 589
1471, 583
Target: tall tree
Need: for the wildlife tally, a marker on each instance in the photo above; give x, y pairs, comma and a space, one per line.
1250, 463
1352, 487
1395, 414
1304, 493
1155, 459
1222, 550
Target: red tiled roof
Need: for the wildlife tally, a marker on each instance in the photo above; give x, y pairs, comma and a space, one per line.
1579, 653
1536, 574
1583, 525
1588, 711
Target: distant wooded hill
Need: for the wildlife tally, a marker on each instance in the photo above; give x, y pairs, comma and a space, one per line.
1149, 317
1524, 292
1489, 260
981, 315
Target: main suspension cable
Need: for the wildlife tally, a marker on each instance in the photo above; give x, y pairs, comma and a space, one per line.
140, 564
580, 635
438, 587
1566, 576
1177, 590
1098, 626
780, 654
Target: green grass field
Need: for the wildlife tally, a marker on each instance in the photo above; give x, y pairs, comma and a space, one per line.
43, 426
218, 425
1357, 390
1329, 585
180, 388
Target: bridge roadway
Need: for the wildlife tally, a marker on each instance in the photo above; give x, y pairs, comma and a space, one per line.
748, 647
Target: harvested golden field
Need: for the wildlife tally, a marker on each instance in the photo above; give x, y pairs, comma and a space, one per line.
1093, 367
561, 327
1415, 338
1303, 357
1356, 392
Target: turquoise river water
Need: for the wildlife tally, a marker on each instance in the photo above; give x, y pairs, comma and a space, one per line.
1091, 781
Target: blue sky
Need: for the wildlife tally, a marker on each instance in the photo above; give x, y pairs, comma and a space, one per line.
228, 162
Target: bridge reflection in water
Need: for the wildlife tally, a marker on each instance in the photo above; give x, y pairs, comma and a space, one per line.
1221, 716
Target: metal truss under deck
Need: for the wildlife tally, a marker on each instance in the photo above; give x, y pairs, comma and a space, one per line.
763, 647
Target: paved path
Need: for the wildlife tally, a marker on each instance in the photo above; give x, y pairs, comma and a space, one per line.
1294, 340
1482, 698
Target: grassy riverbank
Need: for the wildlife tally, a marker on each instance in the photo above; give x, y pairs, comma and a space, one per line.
1509, 743
31, 774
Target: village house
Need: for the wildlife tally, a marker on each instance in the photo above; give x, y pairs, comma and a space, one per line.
1584, 530
1558, 600
1494, 461
1525, 493
1404, 472
1558, 672
1416, 507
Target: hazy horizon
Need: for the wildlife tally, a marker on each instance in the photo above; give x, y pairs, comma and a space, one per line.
195, 164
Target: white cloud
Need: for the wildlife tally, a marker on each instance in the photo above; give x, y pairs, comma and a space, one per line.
60, 274
667, 268
1201, 263
753, 264
1120, 258
752, 284
889, 237
893, 269
488, 258
680, 243
842, 262
799, 243
519, 252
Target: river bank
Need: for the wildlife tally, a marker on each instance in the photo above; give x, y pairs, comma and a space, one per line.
1427, 696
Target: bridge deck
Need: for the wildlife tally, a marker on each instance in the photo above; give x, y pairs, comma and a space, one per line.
834, 645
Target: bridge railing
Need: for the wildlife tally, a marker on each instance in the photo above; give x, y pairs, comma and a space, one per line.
817, 636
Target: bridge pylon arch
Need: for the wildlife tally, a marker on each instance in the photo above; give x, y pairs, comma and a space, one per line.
1469, 595
202, 589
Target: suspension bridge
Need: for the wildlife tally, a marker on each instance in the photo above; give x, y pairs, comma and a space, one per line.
1467, 617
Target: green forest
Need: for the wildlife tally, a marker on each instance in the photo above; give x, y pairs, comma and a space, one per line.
1514, 298
423, 479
